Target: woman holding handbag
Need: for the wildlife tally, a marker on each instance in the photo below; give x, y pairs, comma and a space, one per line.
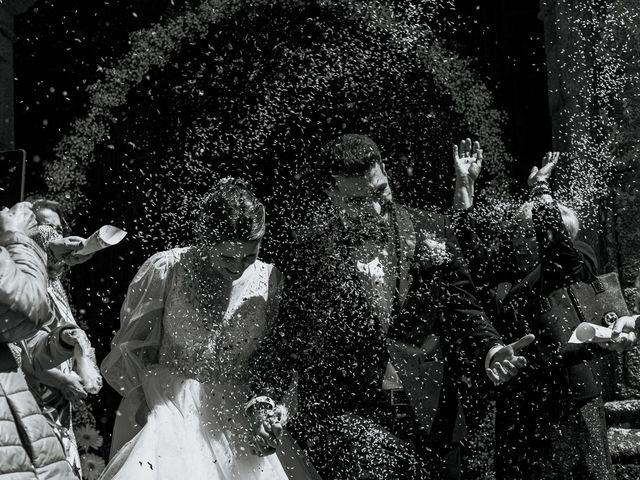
550, 421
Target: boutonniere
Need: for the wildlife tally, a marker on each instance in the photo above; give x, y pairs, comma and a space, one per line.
432, 250
410, 245
372, 269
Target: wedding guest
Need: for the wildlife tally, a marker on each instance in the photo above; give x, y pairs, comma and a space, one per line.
190, 322
375, 350
550, 421
28, 447
55, 389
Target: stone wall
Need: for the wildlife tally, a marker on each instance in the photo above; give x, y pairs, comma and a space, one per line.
594, 102
8, 10
594, 99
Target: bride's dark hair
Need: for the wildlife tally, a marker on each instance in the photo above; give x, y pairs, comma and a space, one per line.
230, 211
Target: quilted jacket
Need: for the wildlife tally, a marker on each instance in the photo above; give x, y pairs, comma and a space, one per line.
29, 448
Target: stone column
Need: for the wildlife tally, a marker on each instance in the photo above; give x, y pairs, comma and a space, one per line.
589, 42
580, 45
570, 35
8, 10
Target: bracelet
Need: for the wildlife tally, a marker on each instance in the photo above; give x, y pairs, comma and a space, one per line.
540, 185
540, 188
254, 401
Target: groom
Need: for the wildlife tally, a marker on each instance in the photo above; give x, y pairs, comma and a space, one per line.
378, 318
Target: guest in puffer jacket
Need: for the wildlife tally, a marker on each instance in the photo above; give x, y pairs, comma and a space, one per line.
28, 447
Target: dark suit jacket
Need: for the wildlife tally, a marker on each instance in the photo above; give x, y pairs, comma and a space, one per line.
328, 332
562, 262
441, 332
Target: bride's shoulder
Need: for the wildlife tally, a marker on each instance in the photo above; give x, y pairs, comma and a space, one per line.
167, 258
269, 272
265, 267
176, 254
161, 263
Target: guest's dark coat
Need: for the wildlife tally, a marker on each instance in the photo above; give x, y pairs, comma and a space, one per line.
562, 262
328, 332
549, 419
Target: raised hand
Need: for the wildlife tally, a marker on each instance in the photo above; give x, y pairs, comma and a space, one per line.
507, 361
467, 160
543, 174
467, 163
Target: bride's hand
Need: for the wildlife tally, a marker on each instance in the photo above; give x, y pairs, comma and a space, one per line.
267, 427
264, 443
276, 420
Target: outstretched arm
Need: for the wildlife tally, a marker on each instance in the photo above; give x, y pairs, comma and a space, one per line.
471, 331
269, 409
487, 269
469, 339
41, 356
562, 262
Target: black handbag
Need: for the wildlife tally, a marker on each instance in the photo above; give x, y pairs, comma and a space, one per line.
600, 302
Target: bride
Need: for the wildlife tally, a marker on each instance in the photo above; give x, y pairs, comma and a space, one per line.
190, 322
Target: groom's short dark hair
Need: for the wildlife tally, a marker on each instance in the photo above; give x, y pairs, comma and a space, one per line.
350, 155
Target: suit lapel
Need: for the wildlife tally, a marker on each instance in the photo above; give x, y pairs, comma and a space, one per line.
405, 244
351, 286
405, 240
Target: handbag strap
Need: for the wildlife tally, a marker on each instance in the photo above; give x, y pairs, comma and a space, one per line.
527, 280
596, 283
543, 300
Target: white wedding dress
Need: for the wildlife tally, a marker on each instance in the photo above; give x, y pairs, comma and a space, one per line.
193, 379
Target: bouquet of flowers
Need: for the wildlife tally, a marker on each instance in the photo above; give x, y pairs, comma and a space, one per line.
431, 250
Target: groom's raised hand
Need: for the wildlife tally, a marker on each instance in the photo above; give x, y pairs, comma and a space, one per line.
507, 361
467, 160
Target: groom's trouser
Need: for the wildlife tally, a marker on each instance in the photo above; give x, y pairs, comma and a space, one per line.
381, 442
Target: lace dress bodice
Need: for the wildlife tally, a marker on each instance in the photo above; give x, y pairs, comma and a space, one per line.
216, 350
185, 355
